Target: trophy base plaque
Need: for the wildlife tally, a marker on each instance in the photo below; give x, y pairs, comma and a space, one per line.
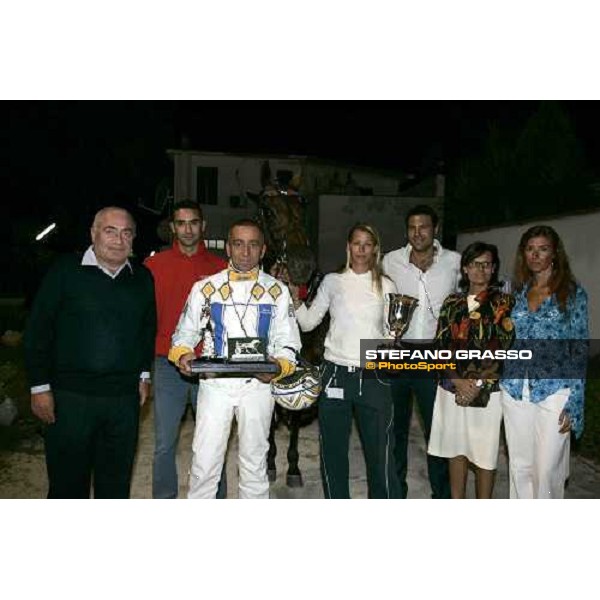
222, 366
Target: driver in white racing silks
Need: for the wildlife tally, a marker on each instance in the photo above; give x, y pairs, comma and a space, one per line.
245, 303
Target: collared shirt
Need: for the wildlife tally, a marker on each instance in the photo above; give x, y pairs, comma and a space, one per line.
90, 260
548, 322
430, 287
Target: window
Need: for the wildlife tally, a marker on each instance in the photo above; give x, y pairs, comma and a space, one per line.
206, 185
215, 244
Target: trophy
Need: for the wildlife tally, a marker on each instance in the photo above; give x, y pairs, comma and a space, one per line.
247, 355
400, 312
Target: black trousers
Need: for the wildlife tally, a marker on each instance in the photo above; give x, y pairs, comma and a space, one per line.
424, 389
93, 439
369, 400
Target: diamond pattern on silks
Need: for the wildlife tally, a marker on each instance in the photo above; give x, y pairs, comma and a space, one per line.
225, 291
208, 290
258, 291
275, 291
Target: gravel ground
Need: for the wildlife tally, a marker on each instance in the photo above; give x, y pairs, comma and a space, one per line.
23, 474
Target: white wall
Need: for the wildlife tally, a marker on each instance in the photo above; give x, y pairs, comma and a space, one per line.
320, 177
580, 235
237, 175
337, 214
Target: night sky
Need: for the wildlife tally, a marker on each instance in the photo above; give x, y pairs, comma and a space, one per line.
65, 159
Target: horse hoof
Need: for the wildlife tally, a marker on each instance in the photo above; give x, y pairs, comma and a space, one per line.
294, 481
272, 475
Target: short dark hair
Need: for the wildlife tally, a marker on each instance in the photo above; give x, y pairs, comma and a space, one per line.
188, 204
470, 253
422, 209
247, 223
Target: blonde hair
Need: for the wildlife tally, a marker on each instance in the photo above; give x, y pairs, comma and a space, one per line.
377, 273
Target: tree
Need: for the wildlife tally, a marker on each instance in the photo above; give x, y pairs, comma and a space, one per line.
539, 170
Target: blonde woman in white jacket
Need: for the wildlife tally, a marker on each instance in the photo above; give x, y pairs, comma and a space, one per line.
355, 298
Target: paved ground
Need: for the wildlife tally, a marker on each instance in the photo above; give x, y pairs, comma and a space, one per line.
23, 473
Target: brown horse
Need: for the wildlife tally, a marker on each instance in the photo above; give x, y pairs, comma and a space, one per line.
281, 213
290, 259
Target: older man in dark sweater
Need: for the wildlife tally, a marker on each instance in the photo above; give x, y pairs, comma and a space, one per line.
89, 348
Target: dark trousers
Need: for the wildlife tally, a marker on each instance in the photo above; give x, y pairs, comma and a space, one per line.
424, 389
369, 400
92, 439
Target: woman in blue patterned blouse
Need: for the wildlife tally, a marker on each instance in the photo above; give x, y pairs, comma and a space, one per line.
543, 403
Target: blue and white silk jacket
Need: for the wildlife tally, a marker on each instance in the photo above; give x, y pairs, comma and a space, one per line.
241, 304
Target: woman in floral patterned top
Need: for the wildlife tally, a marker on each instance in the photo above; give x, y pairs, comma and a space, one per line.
467, 412
542, 403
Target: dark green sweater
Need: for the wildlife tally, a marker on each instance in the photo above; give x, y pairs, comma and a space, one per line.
88, 333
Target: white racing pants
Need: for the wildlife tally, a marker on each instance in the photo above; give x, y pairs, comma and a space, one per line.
218, 401
538, 454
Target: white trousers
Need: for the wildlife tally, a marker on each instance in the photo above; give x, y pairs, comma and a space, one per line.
538, 454
218, 401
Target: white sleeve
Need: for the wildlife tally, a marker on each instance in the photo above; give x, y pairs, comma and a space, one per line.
389, 287
458, 275
189, 328
309, 318
284, 337
385, 263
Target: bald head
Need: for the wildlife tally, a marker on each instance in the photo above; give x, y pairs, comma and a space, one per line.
102, 214
112, 233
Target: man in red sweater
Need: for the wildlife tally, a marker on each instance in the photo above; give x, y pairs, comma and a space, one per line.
175, 271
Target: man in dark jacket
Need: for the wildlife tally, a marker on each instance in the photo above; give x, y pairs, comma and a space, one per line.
88, 349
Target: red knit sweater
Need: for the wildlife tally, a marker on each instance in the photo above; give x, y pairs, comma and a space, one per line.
174, 274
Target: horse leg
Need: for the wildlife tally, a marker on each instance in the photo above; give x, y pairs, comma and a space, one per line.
272, 453
294, 477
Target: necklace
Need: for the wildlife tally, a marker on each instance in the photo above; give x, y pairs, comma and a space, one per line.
237, 314
429, 306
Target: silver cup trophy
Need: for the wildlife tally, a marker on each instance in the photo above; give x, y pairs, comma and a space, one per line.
400, 312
